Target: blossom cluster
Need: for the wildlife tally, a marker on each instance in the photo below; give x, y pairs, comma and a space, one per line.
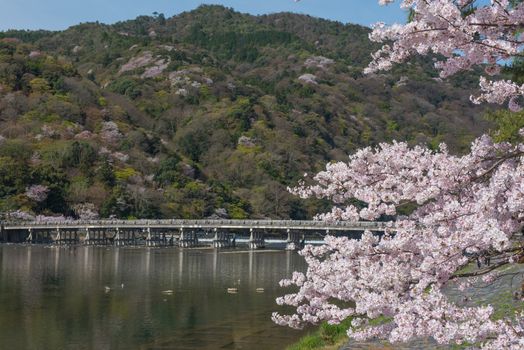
466, 33
110, 132
465, 210
86, 211
21, 215
37, 193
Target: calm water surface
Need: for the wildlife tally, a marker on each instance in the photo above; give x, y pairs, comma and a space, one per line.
115, 298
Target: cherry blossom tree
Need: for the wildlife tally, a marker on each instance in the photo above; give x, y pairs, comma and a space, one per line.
37, 193
469, 210
86, 211
454, 221
110, 132
465, 33
24, 216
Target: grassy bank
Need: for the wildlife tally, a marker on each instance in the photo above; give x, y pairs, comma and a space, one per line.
327, 337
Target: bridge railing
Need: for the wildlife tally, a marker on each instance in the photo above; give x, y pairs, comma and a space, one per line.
201, 223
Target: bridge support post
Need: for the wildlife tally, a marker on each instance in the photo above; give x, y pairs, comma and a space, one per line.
256, 240
149, 237
187, 239
94, 236
58, 238
87, 240
97, 236
295, 241
221, 239
155, 238
118, 241
30, 238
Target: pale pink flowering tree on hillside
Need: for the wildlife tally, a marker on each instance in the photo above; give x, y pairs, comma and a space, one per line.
464, 211
37, 193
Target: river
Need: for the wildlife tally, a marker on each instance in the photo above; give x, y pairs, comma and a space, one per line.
141, 298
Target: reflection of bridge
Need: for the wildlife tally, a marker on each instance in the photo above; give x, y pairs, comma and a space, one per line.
184, 233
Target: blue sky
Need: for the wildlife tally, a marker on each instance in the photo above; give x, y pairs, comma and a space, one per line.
60, 14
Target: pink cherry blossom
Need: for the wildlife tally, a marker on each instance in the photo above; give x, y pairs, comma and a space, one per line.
468, 209
459, 211
37, 193
465, 33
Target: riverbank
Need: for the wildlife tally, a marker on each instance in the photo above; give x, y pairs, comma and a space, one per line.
327, 337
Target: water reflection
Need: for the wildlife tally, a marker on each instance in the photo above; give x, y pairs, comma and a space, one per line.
112, 298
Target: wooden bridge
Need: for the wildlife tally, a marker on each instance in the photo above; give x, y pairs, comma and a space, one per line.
182, 233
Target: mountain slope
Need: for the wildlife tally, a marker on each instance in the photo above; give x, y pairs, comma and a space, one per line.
211, 112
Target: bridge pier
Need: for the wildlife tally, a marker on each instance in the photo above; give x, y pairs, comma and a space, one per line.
222, 239
66, 236
156, 238
118, 239
187, 239
98, 236
87, 239
58, 238
295, 240
124, 237
38, 236
150, 238
29, 238
256, 239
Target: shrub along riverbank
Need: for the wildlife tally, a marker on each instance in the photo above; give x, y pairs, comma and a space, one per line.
327, 337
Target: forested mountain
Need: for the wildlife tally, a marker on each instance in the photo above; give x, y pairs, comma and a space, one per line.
208, 113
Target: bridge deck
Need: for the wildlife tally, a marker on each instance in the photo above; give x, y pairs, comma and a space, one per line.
203, 224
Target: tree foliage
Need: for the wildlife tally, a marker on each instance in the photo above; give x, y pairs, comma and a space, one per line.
138, 110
